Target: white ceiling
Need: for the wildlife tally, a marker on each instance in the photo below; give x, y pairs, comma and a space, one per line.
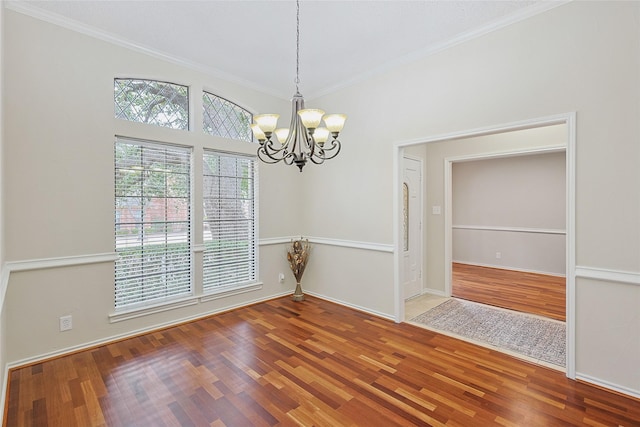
253, 42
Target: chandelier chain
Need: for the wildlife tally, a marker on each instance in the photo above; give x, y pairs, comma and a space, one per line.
297, 80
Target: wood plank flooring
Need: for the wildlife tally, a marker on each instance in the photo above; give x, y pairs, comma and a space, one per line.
282, 363
526, 292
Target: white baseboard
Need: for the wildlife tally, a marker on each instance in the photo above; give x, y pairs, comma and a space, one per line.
435, 292
130, 334
355, 307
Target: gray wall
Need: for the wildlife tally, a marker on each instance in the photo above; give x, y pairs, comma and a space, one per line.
510, 212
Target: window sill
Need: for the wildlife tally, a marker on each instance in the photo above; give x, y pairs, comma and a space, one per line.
226, 292
183, 302
145, 311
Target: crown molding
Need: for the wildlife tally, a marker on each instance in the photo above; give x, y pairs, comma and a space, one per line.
59, 20
498, 24
88, 30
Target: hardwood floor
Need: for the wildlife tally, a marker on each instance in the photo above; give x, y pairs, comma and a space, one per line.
526, 292
308, 363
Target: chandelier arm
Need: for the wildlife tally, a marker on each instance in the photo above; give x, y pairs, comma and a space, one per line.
273, 155
271, 150
335, 145
318, 159
326, 153
268, 159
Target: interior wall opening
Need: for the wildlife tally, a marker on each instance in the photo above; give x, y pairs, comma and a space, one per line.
509, 232
555, 140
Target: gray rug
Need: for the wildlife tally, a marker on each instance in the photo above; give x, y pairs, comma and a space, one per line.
528, 335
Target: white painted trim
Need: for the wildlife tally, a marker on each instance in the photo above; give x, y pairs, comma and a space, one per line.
118, 337
510, 153
608, 385
69, 261
4, 284
436, 292
397, 203
618, 276
570, 222
521, 15
153, 309
231, 291
197, 248
37, 264
509, 229
353, 306
70, 24
556, 119
380, 247
276, 241
183, 302
62, 21
569, 119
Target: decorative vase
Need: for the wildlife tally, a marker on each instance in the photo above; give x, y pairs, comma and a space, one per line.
297, 255
298, 295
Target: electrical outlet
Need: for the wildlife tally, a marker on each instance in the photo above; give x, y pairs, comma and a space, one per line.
498, 255
281, 277
66, 323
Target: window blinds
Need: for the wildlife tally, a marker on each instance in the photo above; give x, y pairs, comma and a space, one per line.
152, 223
229, 229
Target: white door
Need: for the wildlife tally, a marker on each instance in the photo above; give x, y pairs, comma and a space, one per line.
412, 227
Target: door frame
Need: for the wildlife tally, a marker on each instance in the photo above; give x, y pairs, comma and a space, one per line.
420, 216
569, 119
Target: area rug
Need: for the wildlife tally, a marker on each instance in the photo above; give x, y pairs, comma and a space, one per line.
524, 334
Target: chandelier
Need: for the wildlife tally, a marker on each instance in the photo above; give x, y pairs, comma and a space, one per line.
304, 139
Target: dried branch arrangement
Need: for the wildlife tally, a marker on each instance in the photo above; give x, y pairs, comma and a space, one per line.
298, 254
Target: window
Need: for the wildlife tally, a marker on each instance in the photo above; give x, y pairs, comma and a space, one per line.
226, 119
405, 215
152, 223
229, 230
152, 102
153, 199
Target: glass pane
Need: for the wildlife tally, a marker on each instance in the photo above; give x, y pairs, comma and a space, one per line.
152, 223
226, 119
405, 215
229, 221
152, 102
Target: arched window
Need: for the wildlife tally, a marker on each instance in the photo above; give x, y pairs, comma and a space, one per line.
153, 102
224, 118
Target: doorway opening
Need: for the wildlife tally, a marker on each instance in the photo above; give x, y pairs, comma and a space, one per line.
445, 150
508, 230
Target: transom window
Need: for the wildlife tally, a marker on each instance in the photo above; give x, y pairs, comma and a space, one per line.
152, 223
226, 119
153, 102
